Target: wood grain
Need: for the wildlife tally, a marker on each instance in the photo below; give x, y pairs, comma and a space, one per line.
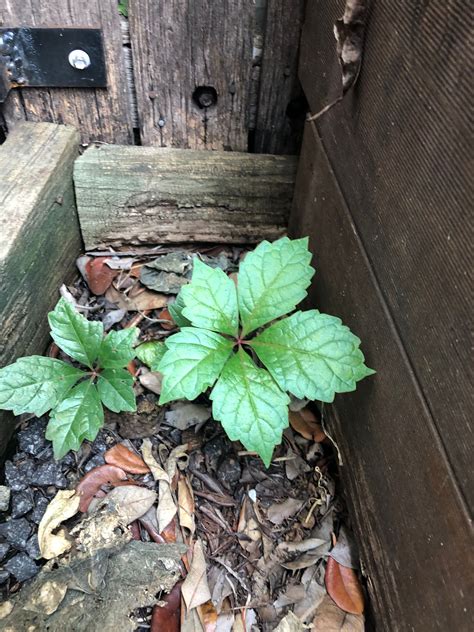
413, 529
281, 110
136, 195
400, 146
99, 114
39, 237
179, 45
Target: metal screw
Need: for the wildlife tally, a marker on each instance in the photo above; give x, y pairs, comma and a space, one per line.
79, 59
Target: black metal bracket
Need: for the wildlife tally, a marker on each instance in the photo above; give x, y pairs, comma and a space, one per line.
51, 58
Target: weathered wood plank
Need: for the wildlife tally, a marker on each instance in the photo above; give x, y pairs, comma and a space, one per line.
178, 46
411, 521
281, 110
99, 114
401, 148
136, 195
39, 236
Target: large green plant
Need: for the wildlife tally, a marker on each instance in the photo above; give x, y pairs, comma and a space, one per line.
37, 384
221, 343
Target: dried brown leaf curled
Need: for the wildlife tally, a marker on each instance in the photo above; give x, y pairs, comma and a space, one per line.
167, 617
130, 502
122, 457
343, 587
63, 506
92, 482
195, 589
330, 618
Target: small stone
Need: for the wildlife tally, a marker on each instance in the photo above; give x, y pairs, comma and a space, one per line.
32, 439
99, 444
229, 471
4, 548
49, 474
16, 532
22, 503
4, 575
40, 505
95, 461
4, 497
32, 547
22, 567
17, 476
183, 415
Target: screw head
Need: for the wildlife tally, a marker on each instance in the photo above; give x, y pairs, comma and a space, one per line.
79, 59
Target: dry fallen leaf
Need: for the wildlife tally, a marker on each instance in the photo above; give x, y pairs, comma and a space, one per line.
279, 512
91, 484
167, 617
343, 587
345, 550
138, 303
130, 502
99, 276
330, 618
195, 589
306, 423
349, 34
167, 508
151, 380
186, 505
122, 457
47, 599
63, 506
290, 623
208, 616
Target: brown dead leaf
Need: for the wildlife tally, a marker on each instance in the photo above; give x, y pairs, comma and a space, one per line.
330, 618
151, 380
138, 303
122, 457
186, 505
130, 502
164, 315
306, 423
63, 506
279, 512
90, 485
167, 618
158, 472
195, 589
343, 587
290, 623
99, 276
208, 616
166, 509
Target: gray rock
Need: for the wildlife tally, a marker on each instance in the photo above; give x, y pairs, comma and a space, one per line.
95, 461
18, 476
5, 494
4, 548
40, 504
4, 575
16, 532
32, 547
22, 567
48, 474
22, 503
32, 439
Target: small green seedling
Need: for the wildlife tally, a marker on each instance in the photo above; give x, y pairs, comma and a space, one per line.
37, 384
221, 343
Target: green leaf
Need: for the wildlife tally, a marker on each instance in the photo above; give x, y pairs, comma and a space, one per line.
176, 311
211, 300
151, 353
75, 335
272, 281
80, 416
312, 355
35, 384
116, 350
194, 359
115, 388
250, 406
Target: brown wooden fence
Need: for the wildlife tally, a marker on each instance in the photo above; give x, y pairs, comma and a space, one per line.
201, 74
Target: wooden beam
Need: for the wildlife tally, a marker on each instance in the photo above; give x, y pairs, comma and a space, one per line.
39, 237
137, 195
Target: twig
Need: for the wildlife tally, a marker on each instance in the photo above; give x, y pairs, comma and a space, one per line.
314, 117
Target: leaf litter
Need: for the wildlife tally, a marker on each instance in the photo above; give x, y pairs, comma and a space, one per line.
162, 515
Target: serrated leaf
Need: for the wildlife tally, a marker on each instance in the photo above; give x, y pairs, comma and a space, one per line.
116, 349
272, 281
176, 311
312, 355
115, 388
80, 416
151, 353
211, 300
75, 335
250, 406
194, 359
35, 384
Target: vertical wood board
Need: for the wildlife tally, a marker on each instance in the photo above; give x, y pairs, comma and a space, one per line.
412, 528
100, 114
399, 144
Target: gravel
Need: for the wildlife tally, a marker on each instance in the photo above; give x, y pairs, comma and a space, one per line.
22, 567
4, 497
16, 532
